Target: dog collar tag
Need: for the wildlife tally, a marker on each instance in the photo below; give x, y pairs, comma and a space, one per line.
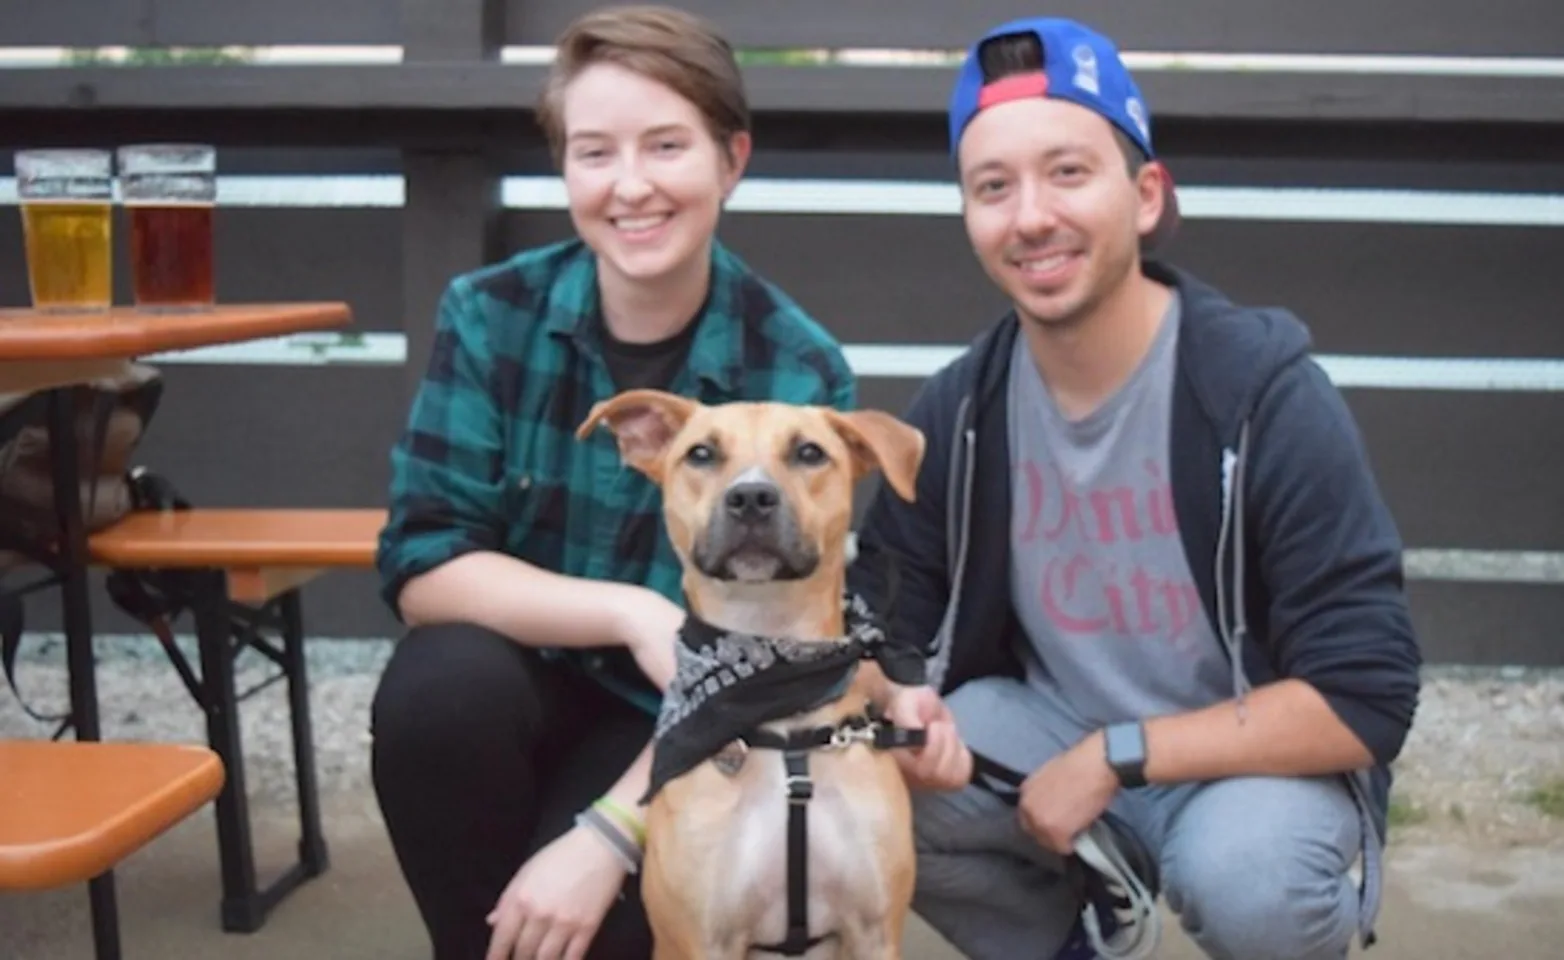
730, 759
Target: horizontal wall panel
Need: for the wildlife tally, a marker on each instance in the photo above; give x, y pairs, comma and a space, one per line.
1471, 624
1458, 470
843, 90
277, 436
1363, 289
1489, 624
159, 23
265, 255
1437, 159
1474, 470
1469, 27
1420, 290
339, 604
1347, 152
411, 86
868, 278
1252, 95
1452, 27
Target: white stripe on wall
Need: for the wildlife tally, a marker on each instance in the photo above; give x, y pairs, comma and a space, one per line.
1139, 61
1368, 372
1154, 61
1485, 566
916, 361
299, 350
915, 198
1450, 565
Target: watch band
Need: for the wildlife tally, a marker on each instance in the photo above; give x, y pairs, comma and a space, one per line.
1125, 746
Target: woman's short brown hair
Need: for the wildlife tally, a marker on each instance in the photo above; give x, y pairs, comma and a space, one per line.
674, 48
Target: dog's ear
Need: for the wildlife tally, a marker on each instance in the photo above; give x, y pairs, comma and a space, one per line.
878, 439
643, 422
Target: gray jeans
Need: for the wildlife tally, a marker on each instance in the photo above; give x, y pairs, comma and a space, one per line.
1256, 868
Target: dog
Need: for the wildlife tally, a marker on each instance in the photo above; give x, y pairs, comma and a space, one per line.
757, 501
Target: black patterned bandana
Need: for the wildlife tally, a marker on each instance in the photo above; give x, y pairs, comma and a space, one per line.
727, 684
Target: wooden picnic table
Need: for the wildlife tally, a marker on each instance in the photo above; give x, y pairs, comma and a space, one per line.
52, 352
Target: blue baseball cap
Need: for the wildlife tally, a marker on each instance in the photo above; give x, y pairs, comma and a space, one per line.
1079, 65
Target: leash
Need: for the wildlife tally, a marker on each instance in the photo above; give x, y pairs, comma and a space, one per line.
1111, 871
796, 746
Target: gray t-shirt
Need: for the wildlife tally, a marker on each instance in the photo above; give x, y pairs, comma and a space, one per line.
1101, 583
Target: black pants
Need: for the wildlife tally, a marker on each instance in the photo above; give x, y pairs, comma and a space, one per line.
483, 753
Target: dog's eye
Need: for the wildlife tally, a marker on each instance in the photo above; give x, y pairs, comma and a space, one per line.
701, 454
810, 454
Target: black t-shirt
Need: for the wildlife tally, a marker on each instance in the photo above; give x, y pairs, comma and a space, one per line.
647, 365
641, 366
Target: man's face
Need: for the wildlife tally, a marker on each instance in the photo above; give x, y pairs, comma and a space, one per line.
1050, 208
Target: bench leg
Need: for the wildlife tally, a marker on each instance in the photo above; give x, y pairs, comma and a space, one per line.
245, 903
242, 909
105, 916
312, 839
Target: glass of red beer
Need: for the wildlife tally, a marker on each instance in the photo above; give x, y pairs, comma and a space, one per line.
169, 191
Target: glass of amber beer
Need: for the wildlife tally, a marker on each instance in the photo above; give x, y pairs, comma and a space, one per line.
64, 197
169, 190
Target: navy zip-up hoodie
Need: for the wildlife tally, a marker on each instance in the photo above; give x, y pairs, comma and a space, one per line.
1293, 550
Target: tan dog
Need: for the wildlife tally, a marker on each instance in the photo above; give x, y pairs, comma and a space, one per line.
757, 499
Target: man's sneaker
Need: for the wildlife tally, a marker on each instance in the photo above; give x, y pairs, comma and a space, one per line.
1079, 946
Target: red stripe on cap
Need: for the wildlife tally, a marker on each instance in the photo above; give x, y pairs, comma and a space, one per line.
1013, 88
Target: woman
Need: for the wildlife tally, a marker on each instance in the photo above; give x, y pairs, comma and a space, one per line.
512, 723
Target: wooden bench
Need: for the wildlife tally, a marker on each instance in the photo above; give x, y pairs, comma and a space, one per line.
238, 573
71, 811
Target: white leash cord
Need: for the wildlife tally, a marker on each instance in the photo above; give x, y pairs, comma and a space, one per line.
1138, 935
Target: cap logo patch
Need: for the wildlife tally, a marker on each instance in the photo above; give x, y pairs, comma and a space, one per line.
1086, 69
1013, 87
1137, 112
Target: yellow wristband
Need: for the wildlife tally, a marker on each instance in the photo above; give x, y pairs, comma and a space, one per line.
627, 819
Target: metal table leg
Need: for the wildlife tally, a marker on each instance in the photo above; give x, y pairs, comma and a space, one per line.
77, 614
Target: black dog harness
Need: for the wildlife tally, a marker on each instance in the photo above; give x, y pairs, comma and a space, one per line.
796, 747
728, 686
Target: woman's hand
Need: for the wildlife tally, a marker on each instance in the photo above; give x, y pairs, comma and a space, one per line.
649, 627
553, 907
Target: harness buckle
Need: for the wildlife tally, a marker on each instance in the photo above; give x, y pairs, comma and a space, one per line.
800, 789
845, 736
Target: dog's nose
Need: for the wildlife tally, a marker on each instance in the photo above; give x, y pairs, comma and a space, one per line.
751, 502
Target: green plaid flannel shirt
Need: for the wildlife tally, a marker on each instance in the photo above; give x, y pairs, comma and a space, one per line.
489, 459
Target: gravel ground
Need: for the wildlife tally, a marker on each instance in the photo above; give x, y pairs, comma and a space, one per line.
1485, 742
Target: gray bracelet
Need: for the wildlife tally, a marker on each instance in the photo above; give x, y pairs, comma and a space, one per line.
626, 848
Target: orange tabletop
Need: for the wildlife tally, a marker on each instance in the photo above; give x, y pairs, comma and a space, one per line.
71, 810
124, 332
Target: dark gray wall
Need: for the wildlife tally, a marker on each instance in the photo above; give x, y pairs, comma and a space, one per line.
1464, 27
1461, 469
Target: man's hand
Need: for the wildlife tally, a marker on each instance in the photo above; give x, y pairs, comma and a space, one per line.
1064, 796
557, 900
943, 762
648, 628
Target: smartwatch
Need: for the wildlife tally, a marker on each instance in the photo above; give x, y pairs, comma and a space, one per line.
1126, 752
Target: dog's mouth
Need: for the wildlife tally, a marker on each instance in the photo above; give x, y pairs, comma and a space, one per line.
753, 561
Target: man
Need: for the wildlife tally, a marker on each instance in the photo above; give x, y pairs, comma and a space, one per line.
1148, 558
